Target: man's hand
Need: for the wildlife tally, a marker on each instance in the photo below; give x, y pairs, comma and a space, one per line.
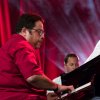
62, 88
52, 96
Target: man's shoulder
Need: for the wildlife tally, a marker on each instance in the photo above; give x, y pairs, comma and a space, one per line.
21, 42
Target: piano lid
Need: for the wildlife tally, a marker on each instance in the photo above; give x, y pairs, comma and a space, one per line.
87, 72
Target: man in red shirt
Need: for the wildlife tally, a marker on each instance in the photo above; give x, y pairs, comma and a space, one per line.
20, 70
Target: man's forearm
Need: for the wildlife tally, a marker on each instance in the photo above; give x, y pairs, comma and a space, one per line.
42, 82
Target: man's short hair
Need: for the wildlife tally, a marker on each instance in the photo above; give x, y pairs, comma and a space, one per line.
27, 21
70, 55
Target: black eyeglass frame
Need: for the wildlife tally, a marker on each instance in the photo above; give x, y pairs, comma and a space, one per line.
39, 31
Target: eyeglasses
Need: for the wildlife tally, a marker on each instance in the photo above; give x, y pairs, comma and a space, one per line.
39, 31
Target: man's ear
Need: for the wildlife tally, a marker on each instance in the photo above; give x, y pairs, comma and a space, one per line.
24, 31
64, 64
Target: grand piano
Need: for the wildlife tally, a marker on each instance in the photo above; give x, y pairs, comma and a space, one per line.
81, 79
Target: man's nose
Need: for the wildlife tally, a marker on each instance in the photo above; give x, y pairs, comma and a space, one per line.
42, 36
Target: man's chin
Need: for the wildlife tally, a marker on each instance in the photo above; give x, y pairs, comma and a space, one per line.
38, 46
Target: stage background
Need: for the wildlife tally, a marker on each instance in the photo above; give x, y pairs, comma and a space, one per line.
71, 26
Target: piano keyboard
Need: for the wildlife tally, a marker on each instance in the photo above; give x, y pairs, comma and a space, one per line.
77, 89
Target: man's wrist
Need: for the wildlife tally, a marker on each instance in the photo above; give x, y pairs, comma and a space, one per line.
56, 89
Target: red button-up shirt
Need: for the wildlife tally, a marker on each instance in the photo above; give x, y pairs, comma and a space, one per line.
18, 61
